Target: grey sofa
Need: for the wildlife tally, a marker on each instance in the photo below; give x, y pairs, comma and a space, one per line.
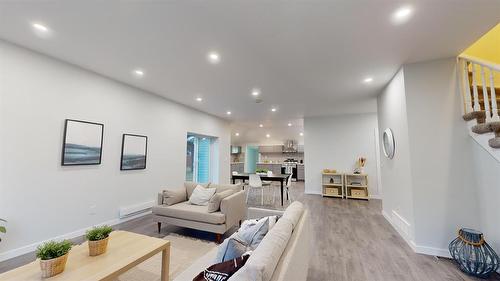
232, 211
292, 260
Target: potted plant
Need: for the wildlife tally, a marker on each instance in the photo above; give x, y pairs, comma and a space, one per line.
261, 172
98, 239
2, 228
53, 256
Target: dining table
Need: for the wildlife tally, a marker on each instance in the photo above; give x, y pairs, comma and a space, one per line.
281, 178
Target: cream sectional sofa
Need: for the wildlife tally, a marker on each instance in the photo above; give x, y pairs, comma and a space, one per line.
281, 256
232, 211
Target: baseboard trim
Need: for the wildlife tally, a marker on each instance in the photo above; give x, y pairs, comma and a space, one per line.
403, 235
419, 249
431, 251
32, 247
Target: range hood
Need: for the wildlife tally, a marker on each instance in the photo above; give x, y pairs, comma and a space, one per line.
290, 146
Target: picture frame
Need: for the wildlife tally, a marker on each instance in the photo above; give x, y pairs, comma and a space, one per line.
134, 152
82, 143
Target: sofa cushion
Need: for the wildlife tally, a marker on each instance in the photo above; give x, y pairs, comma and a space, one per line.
231, 248
253, 231
186, 211
224, 187
201, 195
214, 202
262, 263
190, 186
294, 212
222, 271
174, 196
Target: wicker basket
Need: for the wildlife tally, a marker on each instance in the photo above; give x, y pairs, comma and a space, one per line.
53, 267
98, 247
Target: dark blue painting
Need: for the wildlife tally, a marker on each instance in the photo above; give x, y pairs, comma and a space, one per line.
134, 151
82, 143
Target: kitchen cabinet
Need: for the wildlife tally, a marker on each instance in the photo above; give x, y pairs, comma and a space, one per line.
235, 149
300, 173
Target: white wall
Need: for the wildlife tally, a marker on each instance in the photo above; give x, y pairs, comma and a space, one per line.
337, 142
431, 182
41, 199
443, 179
487, 171
397, 191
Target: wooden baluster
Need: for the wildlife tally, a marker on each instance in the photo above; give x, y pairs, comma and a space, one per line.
485, 96
494, 105
467, 96
474, 89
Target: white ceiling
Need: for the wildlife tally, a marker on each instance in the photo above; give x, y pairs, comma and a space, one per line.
307, 57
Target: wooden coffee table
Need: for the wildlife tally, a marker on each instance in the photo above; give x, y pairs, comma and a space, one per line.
125, 250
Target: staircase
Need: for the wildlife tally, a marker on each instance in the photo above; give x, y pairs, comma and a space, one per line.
477, 81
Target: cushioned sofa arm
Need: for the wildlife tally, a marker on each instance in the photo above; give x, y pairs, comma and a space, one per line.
234, 207
257, 213
160, 198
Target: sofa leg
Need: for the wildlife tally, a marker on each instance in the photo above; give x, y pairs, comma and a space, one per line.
240, 222
218, 238
159, 227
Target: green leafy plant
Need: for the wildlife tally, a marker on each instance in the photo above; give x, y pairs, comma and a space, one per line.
261, 170
53, 249
2, 228
98, 233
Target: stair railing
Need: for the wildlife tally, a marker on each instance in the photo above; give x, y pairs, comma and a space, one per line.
468, 66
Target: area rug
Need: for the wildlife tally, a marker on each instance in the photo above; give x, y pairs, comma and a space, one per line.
183, 252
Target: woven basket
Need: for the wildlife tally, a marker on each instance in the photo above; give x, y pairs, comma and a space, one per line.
53, 267
98, 247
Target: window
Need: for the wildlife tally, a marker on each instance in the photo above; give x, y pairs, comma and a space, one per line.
199, 160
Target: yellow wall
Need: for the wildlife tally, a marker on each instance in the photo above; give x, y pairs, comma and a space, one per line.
487, 48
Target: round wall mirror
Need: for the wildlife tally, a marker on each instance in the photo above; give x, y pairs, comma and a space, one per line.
389, 144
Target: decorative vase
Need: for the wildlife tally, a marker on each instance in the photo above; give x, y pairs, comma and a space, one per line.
472, 254
54, 266
98, 247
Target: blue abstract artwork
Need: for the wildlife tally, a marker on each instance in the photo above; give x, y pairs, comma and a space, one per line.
82, 143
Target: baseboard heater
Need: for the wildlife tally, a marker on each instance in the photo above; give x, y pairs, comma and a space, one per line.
133, 210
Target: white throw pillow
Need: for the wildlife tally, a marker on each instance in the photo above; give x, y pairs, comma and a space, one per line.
201, 195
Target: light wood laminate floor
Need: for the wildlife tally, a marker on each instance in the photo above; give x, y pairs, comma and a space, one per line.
351, 242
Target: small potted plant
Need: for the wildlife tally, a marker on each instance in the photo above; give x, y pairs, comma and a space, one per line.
2, 228
98, 239
53, 256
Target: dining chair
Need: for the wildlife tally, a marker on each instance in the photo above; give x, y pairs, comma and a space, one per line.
255, 183
288, 186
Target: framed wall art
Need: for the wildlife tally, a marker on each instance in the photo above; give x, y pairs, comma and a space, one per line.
134, 152
82, 144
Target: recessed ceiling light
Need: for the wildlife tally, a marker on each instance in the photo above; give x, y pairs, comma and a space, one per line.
138, 73
213, 57
368, 80
255, 92
228, 113
237, 134
289, 124
268, 135
40, 27
261, 125
402, 14
301, 134
41, 30
273, 109
199, 99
